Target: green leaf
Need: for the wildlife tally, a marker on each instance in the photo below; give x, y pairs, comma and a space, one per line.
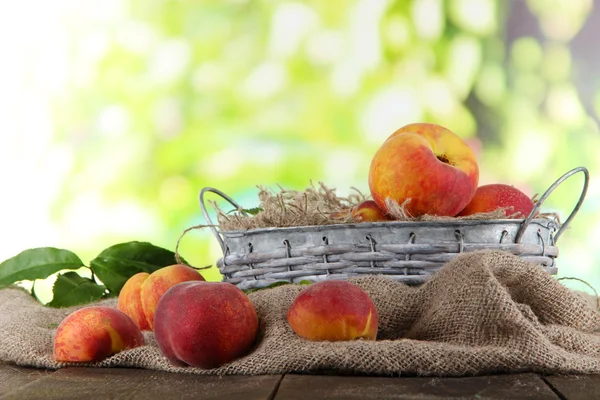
118, 263
71, 289
38, 263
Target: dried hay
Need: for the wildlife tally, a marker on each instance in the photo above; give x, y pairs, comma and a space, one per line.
318, 205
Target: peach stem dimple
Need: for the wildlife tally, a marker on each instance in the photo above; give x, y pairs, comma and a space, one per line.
444, 159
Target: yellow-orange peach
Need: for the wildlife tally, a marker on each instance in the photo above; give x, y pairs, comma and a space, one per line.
159, 282
514, 202
94, 333
426, 168
130, 301
205, 324
368, 211
333, 310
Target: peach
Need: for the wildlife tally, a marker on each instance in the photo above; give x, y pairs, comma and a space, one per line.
94, 333
515, 203
205, 324
333, 310
130, 301
161, 280
426, 168
368, 211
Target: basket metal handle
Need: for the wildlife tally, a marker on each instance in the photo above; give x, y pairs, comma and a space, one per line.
209, 222
538, 204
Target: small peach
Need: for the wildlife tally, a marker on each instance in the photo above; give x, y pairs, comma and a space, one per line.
94, 333
130, 301
333, 310
515, 203
368, 211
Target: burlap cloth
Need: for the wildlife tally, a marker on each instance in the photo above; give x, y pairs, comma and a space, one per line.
484, 312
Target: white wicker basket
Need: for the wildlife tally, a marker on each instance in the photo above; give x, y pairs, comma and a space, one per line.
407, 251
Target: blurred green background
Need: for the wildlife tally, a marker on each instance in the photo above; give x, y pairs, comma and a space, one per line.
116, 113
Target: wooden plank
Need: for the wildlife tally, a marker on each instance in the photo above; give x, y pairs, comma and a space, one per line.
521, 386
13, 377
575, 387
113, 383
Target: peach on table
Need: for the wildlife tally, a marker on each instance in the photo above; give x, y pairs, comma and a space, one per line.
140, 294
205, 324
94, 333
333, 310
130, 301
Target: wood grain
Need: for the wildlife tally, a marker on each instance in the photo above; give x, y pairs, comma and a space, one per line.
13, 377
118, 383
576, 387
521, 386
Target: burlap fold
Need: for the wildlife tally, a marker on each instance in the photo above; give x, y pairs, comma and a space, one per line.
483, 312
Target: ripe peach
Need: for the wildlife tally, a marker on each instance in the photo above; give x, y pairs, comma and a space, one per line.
94, 333
368, 211
205, 324
427, 164
130, 301
515, 203
333, 310
159, 282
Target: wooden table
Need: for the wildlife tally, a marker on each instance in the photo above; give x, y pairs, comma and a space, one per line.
122, 383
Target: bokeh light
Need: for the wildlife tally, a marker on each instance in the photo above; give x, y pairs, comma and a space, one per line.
117, 113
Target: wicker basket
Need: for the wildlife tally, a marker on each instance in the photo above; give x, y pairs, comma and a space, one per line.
406, 251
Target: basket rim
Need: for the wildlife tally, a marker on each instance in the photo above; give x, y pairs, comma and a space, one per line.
545, 222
